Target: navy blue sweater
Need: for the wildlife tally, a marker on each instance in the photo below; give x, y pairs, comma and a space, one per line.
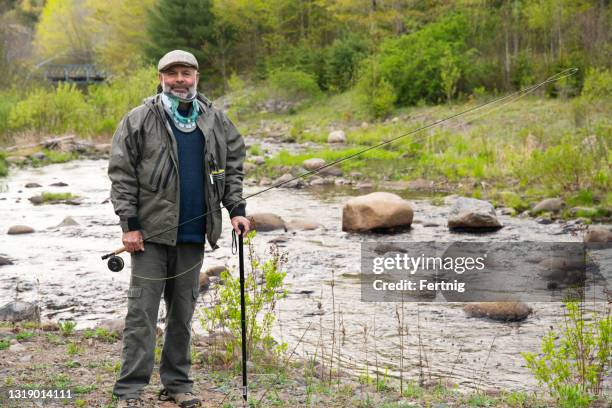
191, 172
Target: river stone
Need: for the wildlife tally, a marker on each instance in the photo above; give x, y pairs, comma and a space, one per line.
112, 325
67, 222
500, 311
263, 222
549, 204
420, 184
59, 184
5, 261
291, 184
378, 210
472, 214
38, 156
364, 185
598, 234
321, 181
32, 185
20, 229
313, 164
303, 225
102, 148
17, 160
333, 171
257, 160
36, 200
215, 270
17, 311
337, 136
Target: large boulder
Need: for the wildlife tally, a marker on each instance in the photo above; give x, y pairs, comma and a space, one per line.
548, 205
501, 311
17, 311
263, 222
376, 211
20, 229
472, 214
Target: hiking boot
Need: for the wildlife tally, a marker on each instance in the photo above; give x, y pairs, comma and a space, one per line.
182, 399
130, 402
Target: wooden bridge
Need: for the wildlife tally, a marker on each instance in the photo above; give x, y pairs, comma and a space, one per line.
79, 73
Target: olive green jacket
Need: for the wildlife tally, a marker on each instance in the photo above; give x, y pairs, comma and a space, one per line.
143, 169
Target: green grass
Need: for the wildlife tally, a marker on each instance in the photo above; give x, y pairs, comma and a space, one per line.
3, 165
529, 149
49, 197
25, 335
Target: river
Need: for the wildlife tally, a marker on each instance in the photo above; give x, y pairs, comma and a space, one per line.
60, 268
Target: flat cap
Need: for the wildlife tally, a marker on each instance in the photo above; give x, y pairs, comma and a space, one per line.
177, 57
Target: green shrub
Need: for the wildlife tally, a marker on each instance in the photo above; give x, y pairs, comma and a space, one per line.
566, 166
260, 300
376, 93
294, 85
597, 84
413, 63
343, 61
575, 359
67, 327
60, 110
113, 99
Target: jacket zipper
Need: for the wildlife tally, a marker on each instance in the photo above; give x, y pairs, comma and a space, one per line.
159, 159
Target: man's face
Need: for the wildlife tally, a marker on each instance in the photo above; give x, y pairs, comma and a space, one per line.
179, 80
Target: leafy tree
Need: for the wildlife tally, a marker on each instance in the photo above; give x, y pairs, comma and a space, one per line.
118, 28
413, 63
188, 25
61, 34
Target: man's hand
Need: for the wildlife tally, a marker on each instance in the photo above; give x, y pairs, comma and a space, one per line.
132, 241
239, 220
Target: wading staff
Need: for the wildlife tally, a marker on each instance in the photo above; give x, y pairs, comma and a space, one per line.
242, 316
242, 309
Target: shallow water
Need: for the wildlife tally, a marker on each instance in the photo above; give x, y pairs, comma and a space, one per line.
61, 269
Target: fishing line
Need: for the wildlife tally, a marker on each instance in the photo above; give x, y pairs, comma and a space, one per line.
115, 260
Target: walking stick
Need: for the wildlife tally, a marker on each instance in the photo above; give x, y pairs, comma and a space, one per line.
242, 316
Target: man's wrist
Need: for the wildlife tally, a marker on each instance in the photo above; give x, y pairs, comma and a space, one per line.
130, 224
238, 211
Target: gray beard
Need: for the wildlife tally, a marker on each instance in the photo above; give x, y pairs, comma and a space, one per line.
191, 93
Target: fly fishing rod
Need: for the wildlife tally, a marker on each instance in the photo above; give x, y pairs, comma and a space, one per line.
116, 264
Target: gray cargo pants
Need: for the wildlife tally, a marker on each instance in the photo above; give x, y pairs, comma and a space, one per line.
180, 294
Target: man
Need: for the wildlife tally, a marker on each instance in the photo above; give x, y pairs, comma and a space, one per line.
173, 158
